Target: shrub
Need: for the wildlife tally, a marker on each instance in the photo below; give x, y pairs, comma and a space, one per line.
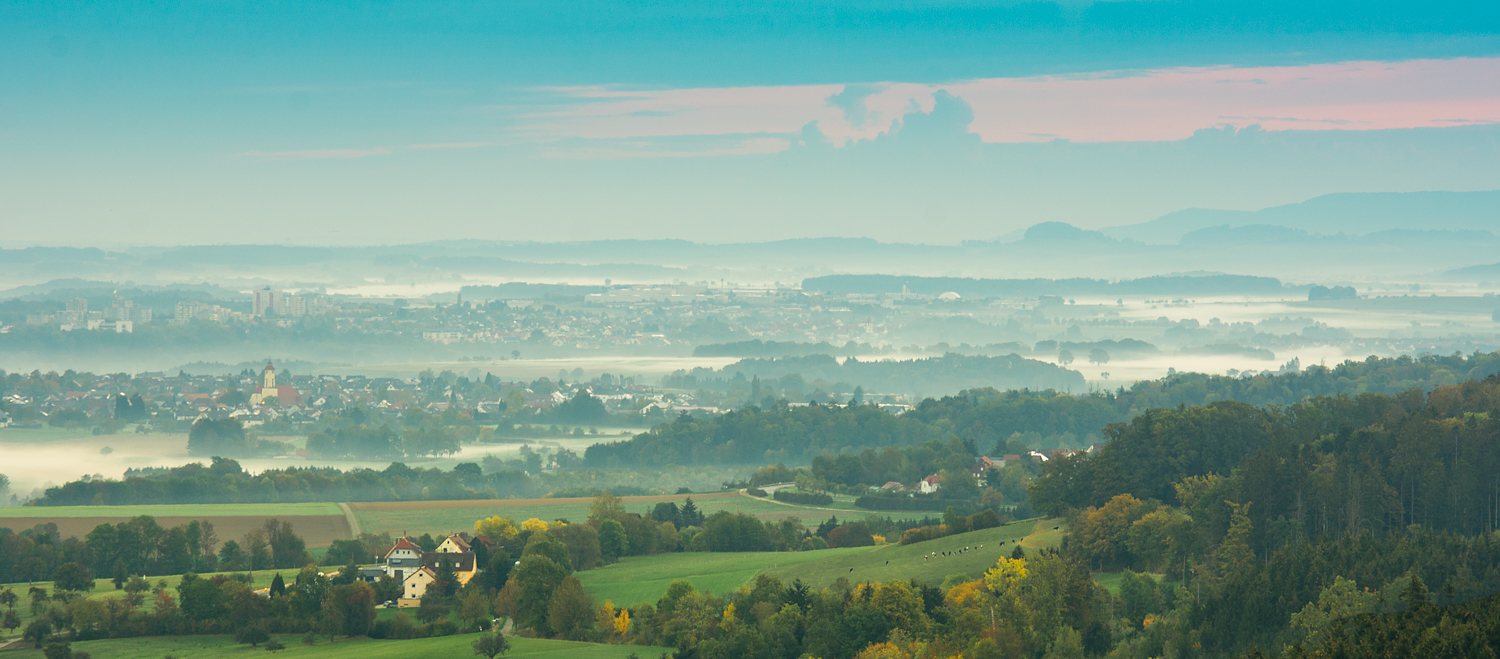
803, 498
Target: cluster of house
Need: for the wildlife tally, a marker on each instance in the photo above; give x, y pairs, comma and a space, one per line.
415, 569
121, 316
982, 466
270, 395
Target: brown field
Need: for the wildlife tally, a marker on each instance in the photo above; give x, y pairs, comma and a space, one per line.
526, 503
316, 530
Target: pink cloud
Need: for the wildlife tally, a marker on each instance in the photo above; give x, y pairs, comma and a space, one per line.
1151, 105
1170, 104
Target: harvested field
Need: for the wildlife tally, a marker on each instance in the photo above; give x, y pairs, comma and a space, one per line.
177, 510
317, 530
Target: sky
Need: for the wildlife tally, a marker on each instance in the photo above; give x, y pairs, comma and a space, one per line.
387, 122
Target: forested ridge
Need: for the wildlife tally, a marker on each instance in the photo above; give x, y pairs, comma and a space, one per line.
1262, 511
988, 418
1329, 466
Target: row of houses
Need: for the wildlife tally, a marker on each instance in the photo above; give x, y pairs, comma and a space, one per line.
416, 570
982, 466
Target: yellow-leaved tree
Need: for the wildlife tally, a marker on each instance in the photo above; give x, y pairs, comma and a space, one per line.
622, 622
882, 651
1005, 578
498, 529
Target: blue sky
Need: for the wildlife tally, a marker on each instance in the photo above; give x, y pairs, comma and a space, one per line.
386, 122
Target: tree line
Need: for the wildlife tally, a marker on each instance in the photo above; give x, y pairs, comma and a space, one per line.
142, 547
990, 419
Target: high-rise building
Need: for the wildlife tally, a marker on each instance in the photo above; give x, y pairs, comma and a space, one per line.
77, 311
268, 301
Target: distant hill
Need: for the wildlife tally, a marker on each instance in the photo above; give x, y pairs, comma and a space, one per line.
1208, 284
1357, 213
1475, 272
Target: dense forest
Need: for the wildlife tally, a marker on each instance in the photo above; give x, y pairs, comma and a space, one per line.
946, 373
989, 419
1260, 510
1327, 467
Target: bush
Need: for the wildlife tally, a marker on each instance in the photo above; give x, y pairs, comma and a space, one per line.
923, 534
853, 534
803, 498
252, 635
756, 492
986, 519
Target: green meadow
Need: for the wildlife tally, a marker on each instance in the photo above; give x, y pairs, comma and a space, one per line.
645, 578
912, 561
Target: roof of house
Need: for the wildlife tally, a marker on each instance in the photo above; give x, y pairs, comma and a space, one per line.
462, 562
931, 480
463, 545
403, 543
421, 570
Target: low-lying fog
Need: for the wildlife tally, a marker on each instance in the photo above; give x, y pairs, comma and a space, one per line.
42, 458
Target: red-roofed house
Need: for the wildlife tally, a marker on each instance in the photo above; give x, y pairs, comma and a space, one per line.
403, 559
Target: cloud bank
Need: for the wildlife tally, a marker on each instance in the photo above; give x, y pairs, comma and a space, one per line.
1111, 106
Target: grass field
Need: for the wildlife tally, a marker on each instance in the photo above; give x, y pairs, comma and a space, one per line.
645, 578
1110, 581
897, 562
185, 647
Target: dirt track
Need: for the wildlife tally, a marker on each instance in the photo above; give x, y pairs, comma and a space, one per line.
316, 530
516, 503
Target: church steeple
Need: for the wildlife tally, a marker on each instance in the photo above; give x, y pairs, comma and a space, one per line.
270, 375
